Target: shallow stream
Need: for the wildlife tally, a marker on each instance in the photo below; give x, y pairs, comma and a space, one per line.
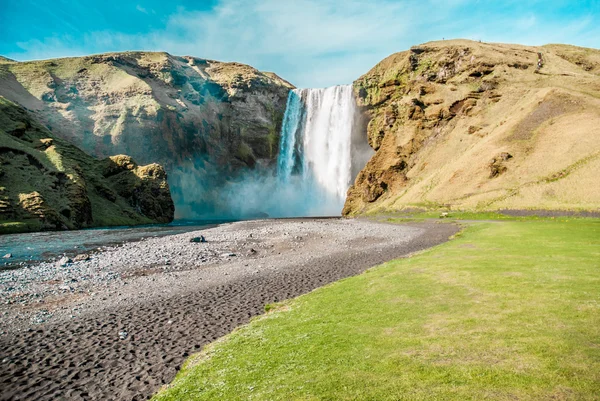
31, 247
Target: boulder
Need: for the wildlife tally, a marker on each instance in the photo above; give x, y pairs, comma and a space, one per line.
64, 261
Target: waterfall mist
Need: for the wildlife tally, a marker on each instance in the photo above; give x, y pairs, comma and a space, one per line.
322, 148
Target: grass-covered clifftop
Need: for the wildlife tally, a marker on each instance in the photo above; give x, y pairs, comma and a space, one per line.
203, 120
468, 125
48, 184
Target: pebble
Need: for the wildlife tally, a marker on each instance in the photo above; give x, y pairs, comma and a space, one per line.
141, 262
84, 257
41, 317
64, 261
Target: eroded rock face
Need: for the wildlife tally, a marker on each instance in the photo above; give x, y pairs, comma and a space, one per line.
196, 117
441, 111
498, 164
47, 184
144, 187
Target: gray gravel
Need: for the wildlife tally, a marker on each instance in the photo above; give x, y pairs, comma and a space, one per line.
117, 324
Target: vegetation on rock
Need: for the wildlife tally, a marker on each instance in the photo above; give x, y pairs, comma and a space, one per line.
471, 125
48, 184
202, 120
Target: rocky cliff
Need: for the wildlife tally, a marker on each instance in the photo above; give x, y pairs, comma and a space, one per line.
46, 183
468, 125
203, 120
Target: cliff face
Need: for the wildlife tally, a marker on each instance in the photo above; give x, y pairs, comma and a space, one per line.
472, 125
203, 120
46, 183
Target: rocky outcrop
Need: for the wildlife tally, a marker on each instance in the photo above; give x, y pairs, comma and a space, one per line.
468, 125
48, 184
203, 120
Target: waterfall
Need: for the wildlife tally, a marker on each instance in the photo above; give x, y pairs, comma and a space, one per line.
323, 145
290, 127
315, 154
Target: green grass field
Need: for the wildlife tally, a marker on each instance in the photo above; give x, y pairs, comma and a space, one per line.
507, 310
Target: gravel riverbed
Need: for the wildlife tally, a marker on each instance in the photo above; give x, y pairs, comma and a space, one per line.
118, 324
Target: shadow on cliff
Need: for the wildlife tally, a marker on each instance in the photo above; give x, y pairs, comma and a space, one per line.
48, 184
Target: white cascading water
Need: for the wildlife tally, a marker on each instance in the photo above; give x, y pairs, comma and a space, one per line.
322, 148
315, 155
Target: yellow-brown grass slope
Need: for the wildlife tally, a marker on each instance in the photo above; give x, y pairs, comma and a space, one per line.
471, 125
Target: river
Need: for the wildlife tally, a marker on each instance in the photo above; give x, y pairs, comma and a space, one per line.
26, 248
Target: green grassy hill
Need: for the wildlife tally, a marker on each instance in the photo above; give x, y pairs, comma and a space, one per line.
48, 184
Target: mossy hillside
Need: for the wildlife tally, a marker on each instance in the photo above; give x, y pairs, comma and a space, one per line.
156, 107
475, 126
506, 310
45, 183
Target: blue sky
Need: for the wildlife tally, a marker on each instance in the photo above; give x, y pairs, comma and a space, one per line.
312, 43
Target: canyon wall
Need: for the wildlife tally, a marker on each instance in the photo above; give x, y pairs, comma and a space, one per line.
48, 184
468, 125
202, 120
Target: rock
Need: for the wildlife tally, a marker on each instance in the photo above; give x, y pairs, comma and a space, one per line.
8, 256
82, 257
497, 166
64, 261
184, 117
36, 206
41, 317
198, 239
74, 190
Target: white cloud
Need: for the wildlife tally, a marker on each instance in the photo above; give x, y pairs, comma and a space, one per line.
315, 43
